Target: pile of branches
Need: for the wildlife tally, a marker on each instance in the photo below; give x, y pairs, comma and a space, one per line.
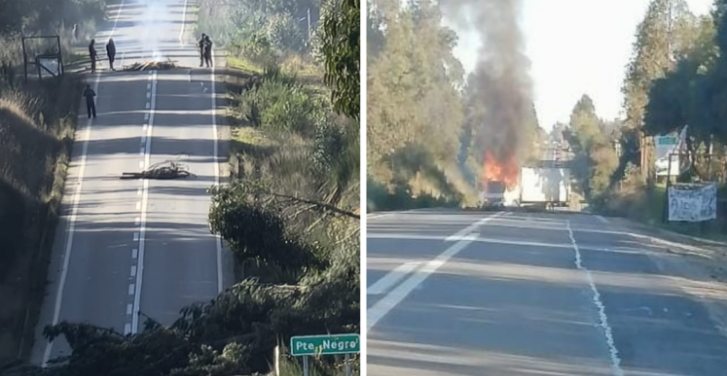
152, 65
162, 170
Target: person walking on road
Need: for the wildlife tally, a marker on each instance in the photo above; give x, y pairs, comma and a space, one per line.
90, 103
111, 52
207, 50
94, 55
200, 44
74, 33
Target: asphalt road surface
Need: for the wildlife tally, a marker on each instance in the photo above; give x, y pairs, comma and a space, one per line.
129, 246
515, 293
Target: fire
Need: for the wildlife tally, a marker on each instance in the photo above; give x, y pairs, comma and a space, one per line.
505, 172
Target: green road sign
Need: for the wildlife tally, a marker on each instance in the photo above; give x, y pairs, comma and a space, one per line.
325, 344
666, 140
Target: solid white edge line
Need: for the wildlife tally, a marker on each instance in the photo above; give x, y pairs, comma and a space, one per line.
218, 240
144, 205
184, 19
608, 332
396, 296
388, 281
71, 228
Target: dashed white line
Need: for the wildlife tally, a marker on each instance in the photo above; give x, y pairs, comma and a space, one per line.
148, 105
129, 308
389, 280
134, 253
141, 151
148, 95
146, 117
138, 192
141, 164
71, 229
127, 328
137, 220
138, 205
615, 360
136, 236
148, 87
144, 205
133, 270
132, 289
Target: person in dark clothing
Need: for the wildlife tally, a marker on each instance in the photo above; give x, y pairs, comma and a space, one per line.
200, 44
90, 103
94, 55
207, 50
111, 53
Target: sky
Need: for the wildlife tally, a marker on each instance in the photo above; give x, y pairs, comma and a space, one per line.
576, 47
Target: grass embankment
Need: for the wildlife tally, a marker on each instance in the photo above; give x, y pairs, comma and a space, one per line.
647, 207
37, 123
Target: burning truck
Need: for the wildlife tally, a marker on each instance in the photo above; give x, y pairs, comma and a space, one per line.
505, 184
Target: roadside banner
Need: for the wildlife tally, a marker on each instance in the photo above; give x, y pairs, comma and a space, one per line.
692, 202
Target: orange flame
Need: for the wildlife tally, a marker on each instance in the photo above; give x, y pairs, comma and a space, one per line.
505, 172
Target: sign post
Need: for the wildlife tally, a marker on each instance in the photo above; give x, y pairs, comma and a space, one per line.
333, 344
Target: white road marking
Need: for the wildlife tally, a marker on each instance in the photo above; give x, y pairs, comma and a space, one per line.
469, 229
116, 21
144, 205
127, 328
388, 281
148, 87
393, 298
134, 253
138, 192
602, 219
71, 230
143, 139
146, 117
133, 270
217, 174
132, 288
184, 19
148, 95
138, 205
141, 151
129, 309
141, 164
143, 128
148, 105
136, 236
615, 360
137, 220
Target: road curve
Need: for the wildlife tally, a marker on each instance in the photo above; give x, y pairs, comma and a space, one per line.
125, 247
515, 293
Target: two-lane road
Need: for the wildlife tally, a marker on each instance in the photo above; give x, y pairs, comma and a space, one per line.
515, 293
125, 247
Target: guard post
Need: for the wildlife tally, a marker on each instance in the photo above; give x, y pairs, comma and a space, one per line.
331, 344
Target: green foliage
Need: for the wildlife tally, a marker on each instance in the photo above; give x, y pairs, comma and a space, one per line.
276, 102
339, 44
415, 114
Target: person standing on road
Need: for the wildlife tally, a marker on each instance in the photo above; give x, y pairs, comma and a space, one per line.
94, 55
74, 34
207, 50
200, 44
90, 103
111, 52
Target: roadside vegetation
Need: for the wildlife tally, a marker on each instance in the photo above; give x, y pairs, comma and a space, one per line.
424, 115
675, 78
37, 123
290, 214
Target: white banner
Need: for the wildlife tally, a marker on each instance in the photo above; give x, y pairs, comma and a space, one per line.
692, 203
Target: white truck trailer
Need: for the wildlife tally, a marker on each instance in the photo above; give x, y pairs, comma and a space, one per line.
536, 185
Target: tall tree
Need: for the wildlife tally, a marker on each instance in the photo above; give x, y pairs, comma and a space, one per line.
661, 37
